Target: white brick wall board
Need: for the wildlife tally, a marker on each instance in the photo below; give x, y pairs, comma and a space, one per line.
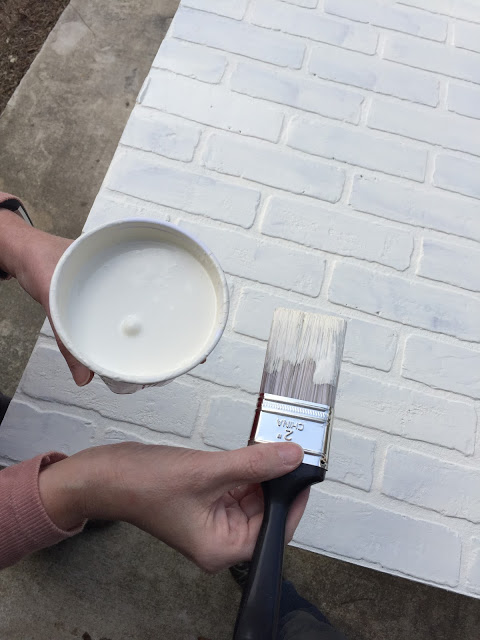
442, 366
328, 152
428, 208
405, 412
433, 483
375, 74
464, 99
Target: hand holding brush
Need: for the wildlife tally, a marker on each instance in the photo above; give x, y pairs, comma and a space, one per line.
296, 401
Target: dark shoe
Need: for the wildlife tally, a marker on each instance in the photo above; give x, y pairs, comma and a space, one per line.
4, 402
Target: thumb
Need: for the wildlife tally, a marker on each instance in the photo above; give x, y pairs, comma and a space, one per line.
80, 373
256, 463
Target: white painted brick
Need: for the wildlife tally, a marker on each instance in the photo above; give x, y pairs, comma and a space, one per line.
113, 436
144, 177
433, 483
426, 208
442, 366
464, 99
444, 129
433, 56
275, 167
361, 531
170, 409
467, 36
259, 259
310, 4
352, 459
381, 14
338, 233
332, 63
213, 105
234, 363
255, 313
464, 9
231, 8
452, 263
457, 174
357, 147
300, 22
190, 60
398, 299
27, 431
237, 37
109, 207
161, 134
309, 95
473, 578
229, 422
411, 414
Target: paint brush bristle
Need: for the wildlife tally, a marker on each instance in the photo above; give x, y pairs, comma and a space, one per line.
303, 356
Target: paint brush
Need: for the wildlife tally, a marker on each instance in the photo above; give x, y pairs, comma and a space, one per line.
296, 401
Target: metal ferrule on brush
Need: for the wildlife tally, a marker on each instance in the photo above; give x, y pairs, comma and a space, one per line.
280, 419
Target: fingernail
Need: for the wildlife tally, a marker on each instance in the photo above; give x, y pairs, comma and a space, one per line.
291, 454
84, 380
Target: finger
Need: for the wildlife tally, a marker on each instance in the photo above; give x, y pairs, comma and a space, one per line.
253, 464
80, 373
295, 514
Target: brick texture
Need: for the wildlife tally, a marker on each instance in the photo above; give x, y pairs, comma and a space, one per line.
328, 153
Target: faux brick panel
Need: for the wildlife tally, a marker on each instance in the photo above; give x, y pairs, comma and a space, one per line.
452, 263
262, 260
213, 105
457, 174
237, 37
464, 9
171, 409
274, 167
473, 579
190, 60
229, 422
311, 4
332, 231
446, 130
358, 148
433, 56
30, 431
255, 312
308, 95
352, 459
231, 8
396, 298
442, 366
467, 36
434, 483
234, 363
407, 413
374, 74
369, 533
138, 175
161, 134
464, 99
421, 208
381, 14
275, 15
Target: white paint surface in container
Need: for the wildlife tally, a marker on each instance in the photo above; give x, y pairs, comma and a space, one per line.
142, 308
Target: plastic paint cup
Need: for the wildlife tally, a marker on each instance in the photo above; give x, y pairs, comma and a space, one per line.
139, 302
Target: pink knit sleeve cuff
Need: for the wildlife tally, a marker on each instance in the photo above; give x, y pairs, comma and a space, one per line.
25, 526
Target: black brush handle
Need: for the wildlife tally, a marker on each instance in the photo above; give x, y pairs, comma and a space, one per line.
258, 615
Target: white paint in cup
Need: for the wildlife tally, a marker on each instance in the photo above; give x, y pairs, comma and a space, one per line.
139, 302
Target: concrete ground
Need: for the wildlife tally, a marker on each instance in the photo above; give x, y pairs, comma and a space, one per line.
58, 134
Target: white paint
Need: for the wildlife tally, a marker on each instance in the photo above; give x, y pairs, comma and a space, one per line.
141, 308
412, 356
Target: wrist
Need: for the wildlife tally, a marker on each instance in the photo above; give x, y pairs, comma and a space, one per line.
15, 241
